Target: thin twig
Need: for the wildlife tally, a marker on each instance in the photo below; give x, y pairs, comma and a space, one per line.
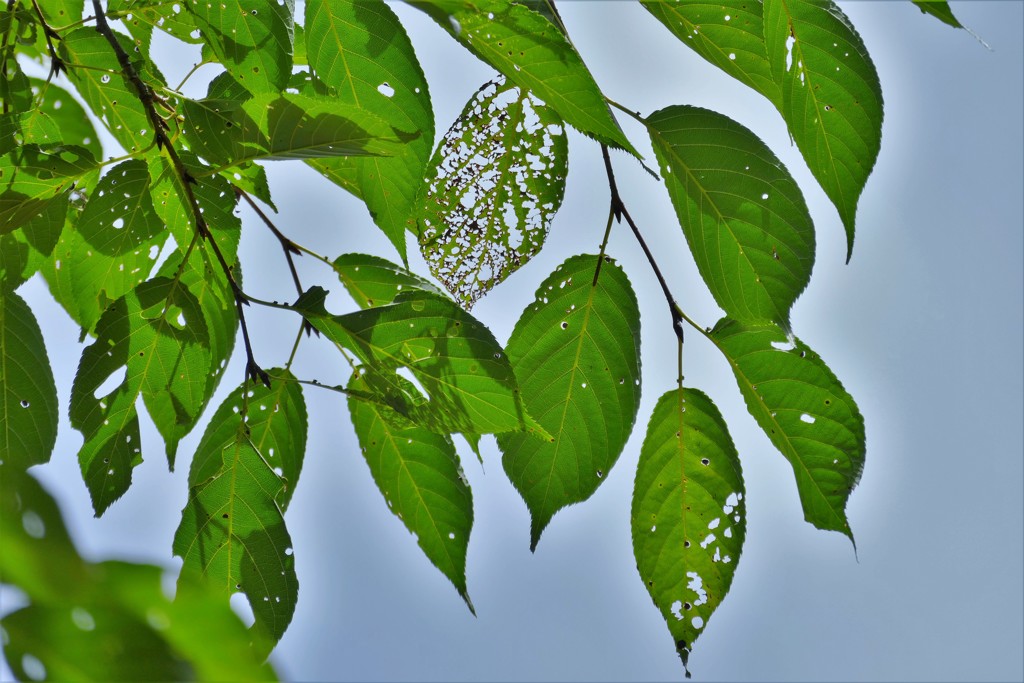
56, 63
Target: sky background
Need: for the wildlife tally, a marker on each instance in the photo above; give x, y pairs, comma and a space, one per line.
923, 327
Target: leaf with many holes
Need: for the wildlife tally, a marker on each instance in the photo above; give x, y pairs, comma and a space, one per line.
232, 534
455, 359
727, 33
24, 251
576, 353
140, 17
831, 98
157, 332
373, 281
32, 177
743, 215
277, 424
534, 55
940, 10
805, 412
252, 38
63, 111
360, 49
419, 475
28, 395
492, 189
688, 519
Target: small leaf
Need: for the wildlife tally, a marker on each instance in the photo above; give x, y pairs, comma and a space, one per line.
252, 179
28, 395
805, 412
252, 38
492, 189
373, 281
533, 54
419, 475
64, 111
576, 353
232, 534
940, 10
743, 215
831, 97
688, 517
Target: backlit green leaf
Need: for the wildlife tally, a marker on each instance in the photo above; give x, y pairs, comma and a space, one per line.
360, 49
373, 281
576, 354
492, 189
24, 251
688, 517
32, 177
418, 473
65, 113
805, 412
831, 98
141, 17
28, 395
743, 215
940, 10
60, 13
534, 55
252, 38
232, 534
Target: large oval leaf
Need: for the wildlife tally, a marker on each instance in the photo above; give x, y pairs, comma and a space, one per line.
805, 412
743, 215
688, 516
831, 97
419, 475
492, 188
576, 353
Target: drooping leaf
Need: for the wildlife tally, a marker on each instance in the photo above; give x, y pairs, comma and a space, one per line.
14, 88
252, 179
576, 354
64, 113
24, 251
805, 412
533, 54
940, 10
360, 49
32, 177
492, 189
831, 97
727, 33
688, 517
28, 395
157, 332
373, 281
277, 424
252, 38
742, 213
419, 475
232, 534
467, 383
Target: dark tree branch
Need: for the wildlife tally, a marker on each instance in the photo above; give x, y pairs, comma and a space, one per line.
56, 63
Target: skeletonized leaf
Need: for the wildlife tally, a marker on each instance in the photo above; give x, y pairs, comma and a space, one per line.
232, 534
419, 475
373, 281
533, 54
277, 424
361, 50
743, 215
831, 97
252, 38
688, 517
28, 395
804, 410
32, 177
492, 189
940, 10
727, 33
576, 353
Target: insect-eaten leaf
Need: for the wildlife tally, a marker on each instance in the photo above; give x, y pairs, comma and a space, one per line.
492, 189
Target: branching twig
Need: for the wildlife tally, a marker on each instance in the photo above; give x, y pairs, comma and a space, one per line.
56, 63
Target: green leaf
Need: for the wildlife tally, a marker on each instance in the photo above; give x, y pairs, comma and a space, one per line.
742, 213
140, 17
576, 353
727, 33
373, 281
940, 10
252, 38
419, 475
232, 534
28, 395
61, 13
24, 251
831, 97
534, 55
688, 517
277, 424
65, 113
158, 333
492, 189
252, 179
32, 177
361, 50
805, 412
467, 383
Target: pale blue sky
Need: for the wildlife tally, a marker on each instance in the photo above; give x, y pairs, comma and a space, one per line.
924, 328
